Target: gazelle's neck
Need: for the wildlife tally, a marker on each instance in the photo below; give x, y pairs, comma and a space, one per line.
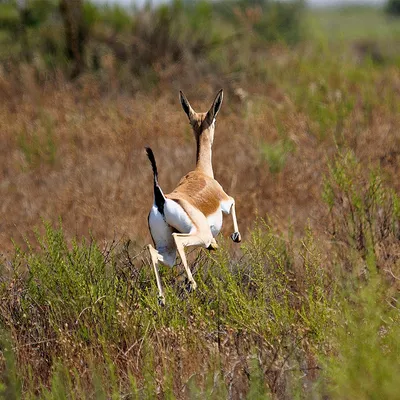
204, 155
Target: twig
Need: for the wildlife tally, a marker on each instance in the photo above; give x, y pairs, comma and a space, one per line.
141, 344
34, 343
392, 274
87, 308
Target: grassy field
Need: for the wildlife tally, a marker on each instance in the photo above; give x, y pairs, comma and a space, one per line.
307, 142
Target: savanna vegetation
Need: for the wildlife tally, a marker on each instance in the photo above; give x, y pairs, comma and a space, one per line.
308, 143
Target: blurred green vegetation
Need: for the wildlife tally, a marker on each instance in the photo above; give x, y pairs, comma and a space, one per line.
219, 37
142, 38
352, 23
393, 7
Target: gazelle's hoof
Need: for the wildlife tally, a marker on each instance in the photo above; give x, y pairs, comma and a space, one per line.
213, 245
191, 286
161, 300
236, 237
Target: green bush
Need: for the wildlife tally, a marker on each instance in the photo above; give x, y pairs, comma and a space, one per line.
270, 20
393, 7
148, 40
364, 212
276, 154
366, 341
33, 14
38, 145
173, 33
9, 16
81, 307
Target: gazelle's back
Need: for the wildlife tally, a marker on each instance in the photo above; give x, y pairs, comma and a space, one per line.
201, 191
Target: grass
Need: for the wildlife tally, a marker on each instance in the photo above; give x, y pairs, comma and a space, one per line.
354, 23
276, 154
306, 142
88, 307
265, 324
366, 364
38, 146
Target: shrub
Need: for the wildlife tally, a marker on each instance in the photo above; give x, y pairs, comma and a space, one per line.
78, 308
364, 215
393, 7
276, 154
366, 341
173, 33
269, 19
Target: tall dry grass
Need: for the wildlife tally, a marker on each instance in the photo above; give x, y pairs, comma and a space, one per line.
73, 152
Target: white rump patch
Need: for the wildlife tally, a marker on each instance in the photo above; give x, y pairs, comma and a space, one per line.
161, 233
176, 216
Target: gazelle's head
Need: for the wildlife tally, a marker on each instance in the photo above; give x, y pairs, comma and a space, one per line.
203, 124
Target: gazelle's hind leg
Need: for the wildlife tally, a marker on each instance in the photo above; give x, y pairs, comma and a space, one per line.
183, 240
155, 258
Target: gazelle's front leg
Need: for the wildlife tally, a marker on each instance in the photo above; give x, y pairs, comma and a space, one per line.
155, 258
236, 237
228, 207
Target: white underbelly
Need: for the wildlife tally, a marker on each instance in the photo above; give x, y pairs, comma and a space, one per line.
215, 222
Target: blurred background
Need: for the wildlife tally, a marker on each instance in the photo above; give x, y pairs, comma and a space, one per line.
85, 85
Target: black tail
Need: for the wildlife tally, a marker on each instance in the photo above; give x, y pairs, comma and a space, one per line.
159, 198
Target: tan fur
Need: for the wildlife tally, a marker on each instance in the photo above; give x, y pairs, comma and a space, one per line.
204, 134
203, 125
197, 120
199, 190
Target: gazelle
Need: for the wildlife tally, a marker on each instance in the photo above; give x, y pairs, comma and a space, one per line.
191, 215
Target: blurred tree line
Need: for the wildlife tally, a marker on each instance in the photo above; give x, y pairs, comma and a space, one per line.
393, 7
75, 35
31, 26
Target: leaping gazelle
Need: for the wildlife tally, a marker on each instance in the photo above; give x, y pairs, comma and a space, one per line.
192, 214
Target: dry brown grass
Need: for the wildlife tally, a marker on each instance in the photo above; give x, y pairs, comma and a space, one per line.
95, 176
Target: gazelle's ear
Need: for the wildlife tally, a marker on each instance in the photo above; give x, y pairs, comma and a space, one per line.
216, 105
186, 105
